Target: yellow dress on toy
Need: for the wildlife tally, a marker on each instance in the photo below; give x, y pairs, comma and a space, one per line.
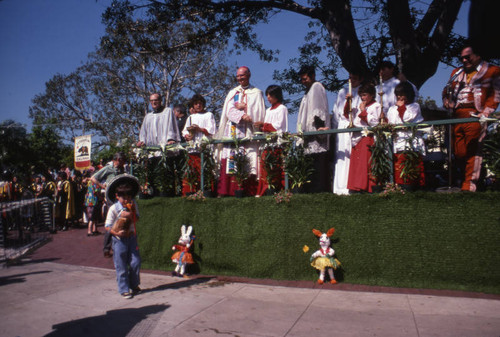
326, 260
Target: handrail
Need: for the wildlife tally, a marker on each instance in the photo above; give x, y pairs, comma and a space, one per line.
261, 136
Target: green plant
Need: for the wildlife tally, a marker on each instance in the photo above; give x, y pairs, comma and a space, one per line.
191, 173
491, 150
209, 166
381, 154
410, 166
167, 170
142, 170
273, 164
298, 166
241, 166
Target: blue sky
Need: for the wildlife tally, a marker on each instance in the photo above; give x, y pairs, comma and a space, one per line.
40, 38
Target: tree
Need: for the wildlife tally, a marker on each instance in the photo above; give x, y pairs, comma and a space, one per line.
108, 96
362, 33
47, 150
13, 147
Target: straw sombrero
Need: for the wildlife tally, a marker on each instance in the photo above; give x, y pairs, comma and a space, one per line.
119, 180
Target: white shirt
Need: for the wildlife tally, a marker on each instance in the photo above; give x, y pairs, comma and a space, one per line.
277, 117
389, 98
411, 115
158, 128
372, 119
204, 120
314, 104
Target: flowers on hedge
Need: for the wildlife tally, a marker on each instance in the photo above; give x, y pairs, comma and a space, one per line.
198, 196
283, 196
391, 189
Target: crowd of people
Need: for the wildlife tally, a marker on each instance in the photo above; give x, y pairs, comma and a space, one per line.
80, 197
473, 90
364, 103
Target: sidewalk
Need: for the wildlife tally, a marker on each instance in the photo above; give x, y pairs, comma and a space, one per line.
62, 291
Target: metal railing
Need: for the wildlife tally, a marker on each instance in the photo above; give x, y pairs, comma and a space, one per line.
262, 137
24, 222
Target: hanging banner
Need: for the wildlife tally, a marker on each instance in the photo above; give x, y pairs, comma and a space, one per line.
83, 146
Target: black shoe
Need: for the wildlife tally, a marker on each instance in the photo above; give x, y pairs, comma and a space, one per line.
136, 291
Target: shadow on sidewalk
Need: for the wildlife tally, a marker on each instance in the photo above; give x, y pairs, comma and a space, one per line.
178, 285
114, 323
19, 278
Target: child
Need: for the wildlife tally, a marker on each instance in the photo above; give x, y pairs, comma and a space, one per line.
276, 119
406, 111
367, 115
121, 222
199, 124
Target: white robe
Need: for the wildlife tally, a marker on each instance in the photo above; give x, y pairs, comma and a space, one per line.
256, 109
411, 115
158, 128
278, 118
314, 103
389, 99
372, 119
204, 120
343, 144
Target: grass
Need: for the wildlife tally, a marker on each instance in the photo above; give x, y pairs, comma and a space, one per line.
419, 240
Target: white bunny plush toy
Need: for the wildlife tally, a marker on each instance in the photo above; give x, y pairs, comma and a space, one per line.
182, 256
323, 259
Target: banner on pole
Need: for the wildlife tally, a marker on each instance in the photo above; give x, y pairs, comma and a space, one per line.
83, 146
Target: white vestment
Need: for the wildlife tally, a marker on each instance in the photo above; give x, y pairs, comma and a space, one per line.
204, 120
231, 116
343, 145
389, 99
372, 119
278, 118
158, 128
314, 104
411, 115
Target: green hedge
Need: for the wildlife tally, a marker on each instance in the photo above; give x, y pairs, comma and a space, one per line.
418, 240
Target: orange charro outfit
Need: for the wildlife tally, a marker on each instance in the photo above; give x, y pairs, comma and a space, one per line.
477, 92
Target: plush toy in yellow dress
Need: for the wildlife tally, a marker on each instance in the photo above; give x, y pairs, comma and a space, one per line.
323, 258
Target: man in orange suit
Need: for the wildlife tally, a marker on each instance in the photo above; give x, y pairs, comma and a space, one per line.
473, 91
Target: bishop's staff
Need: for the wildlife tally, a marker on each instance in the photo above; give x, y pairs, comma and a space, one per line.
381, 94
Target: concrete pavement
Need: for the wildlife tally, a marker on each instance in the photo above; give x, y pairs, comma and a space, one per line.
43, 298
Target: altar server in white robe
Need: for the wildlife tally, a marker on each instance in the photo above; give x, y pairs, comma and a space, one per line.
243, 105
159, 126
387, 74
314, 116
341, 120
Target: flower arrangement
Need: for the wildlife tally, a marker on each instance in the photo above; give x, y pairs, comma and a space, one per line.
283, 196
391, 189
198, 196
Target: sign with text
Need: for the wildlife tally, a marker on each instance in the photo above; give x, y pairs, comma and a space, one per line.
83, 146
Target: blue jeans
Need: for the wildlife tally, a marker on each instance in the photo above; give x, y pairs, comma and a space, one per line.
127, 263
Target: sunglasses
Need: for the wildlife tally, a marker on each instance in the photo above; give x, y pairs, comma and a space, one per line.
464, 57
